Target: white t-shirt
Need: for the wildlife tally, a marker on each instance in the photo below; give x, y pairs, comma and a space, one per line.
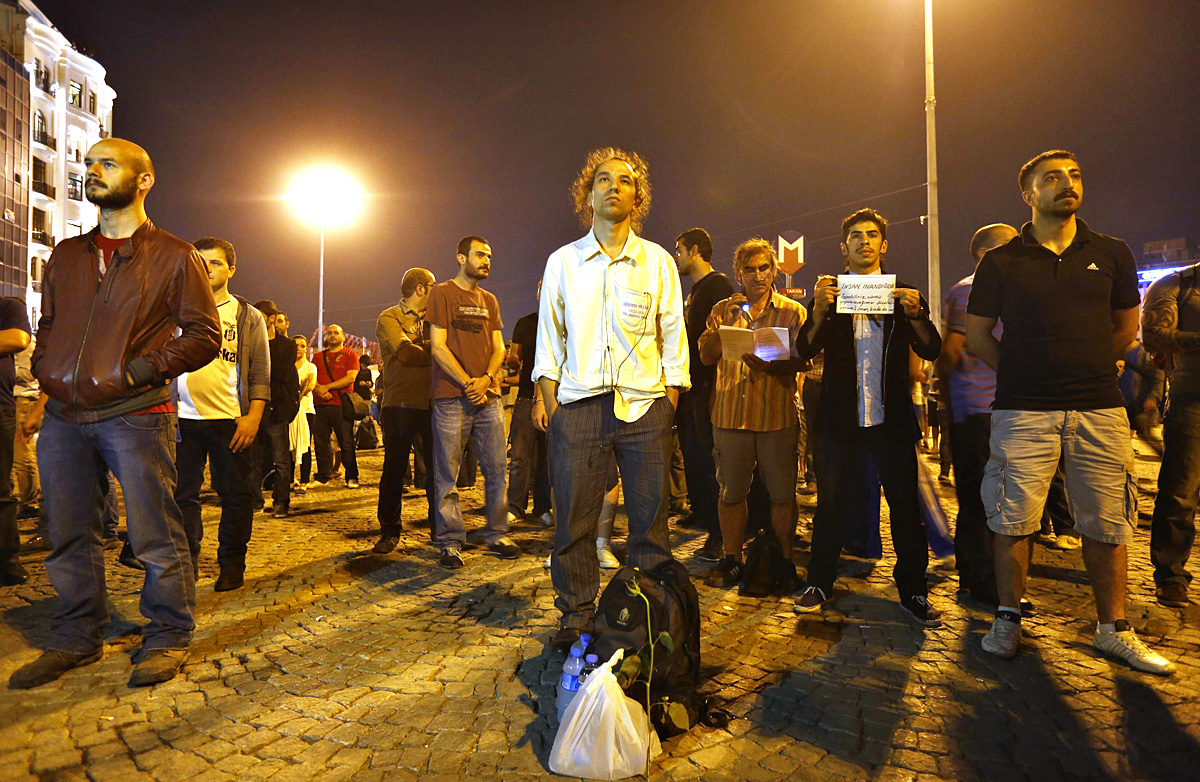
211, 392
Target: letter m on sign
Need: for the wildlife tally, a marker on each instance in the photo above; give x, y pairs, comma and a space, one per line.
791, 255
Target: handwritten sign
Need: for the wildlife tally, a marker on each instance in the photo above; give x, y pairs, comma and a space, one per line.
866, 294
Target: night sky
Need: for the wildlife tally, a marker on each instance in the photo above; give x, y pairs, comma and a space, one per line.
756, 118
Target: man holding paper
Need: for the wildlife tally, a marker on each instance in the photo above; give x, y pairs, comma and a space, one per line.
865, 324
754, 416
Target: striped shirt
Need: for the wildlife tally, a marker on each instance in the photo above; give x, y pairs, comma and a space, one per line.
756, 401
973, 383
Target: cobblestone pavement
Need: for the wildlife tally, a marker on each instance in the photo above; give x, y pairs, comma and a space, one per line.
334, 663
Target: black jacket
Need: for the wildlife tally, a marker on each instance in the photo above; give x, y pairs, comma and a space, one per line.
839, 386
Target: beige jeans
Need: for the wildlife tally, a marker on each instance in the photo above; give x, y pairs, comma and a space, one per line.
25, 468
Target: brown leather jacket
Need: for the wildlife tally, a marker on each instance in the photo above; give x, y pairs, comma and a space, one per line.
94, 331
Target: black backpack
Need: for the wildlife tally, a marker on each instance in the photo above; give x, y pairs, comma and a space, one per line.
662, 606
767, 571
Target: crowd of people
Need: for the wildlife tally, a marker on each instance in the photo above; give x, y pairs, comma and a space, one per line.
146, 368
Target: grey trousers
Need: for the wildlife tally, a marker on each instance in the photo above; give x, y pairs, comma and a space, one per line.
583, 436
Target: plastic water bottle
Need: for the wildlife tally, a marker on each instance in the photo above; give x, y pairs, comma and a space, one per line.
582, 643
568, 683
590, 663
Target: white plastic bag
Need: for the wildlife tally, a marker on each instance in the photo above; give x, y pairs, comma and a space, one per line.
604, 734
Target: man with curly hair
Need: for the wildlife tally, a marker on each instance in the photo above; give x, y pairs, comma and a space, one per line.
611, 360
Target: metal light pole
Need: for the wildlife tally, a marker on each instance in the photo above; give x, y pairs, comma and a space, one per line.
931, 208
321, 292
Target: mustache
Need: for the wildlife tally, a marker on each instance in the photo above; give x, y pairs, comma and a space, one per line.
1066, 194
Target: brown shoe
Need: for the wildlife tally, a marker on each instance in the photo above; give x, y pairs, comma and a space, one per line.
1173, 594
157, 666
49, 667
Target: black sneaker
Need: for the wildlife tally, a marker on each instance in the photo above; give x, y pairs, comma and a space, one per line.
451, 559
12, 573
712, 550
690, 520
128, 559
810, 601
505, 548
37, 543
230, 578
727, 573
280, 511
1172, 593
564, 639
922, 611
386, 544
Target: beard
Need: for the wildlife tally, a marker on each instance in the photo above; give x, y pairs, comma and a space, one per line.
116, 197
477, 273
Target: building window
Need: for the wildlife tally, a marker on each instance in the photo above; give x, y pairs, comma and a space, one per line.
74, 189
39, 123
39, 220
92, 103
39, 169
75, 94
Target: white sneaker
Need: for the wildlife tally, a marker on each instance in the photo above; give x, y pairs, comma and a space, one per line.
608, 560
351, 484
1124, 645
1003, 639
1068, 542
548, 518
546, 564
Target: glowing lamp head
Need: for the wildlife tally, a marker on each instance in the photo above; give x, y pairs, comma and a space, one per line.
327, 196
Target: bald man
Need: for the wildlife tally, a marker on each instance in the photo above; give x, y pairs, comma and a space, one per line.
107, 349
972, 388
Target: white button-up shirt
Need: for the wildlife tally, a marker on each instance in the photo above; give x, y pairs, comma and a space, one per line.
608, 325
868, 349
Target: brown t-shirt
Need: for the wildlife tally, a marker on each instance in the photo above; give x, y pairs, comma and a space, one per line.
469, 318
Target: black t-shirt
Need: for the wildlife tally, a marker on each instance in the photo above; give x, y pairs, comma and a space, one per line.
12, 316
364, 383
525, 335
1057, 348
711, 288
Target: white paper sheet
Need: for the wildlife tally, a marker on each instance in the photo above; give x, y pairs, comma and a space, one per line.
866, 294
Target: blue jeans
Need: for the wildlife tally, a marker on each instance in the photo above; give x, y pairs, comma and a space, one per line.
454, 421
140, 451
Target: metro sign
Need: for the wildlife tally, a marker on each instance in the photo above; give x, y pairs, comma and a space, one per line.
791, 255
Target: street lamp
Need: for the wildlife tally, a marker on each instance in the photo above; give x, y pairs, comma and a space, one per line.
330, 198
931, 205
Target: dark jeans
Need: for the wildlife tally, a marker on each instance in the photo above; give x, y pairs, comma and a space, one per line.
844, 450
10, 538
528, 461
1174, 522
696, 439
277, 449
140, 449
972, 538
583, 437
330, 420
232, 476
401, 425
811, 394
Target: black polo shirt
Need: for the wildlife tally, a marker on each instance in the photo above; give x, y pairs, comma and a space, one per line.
1057, 348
